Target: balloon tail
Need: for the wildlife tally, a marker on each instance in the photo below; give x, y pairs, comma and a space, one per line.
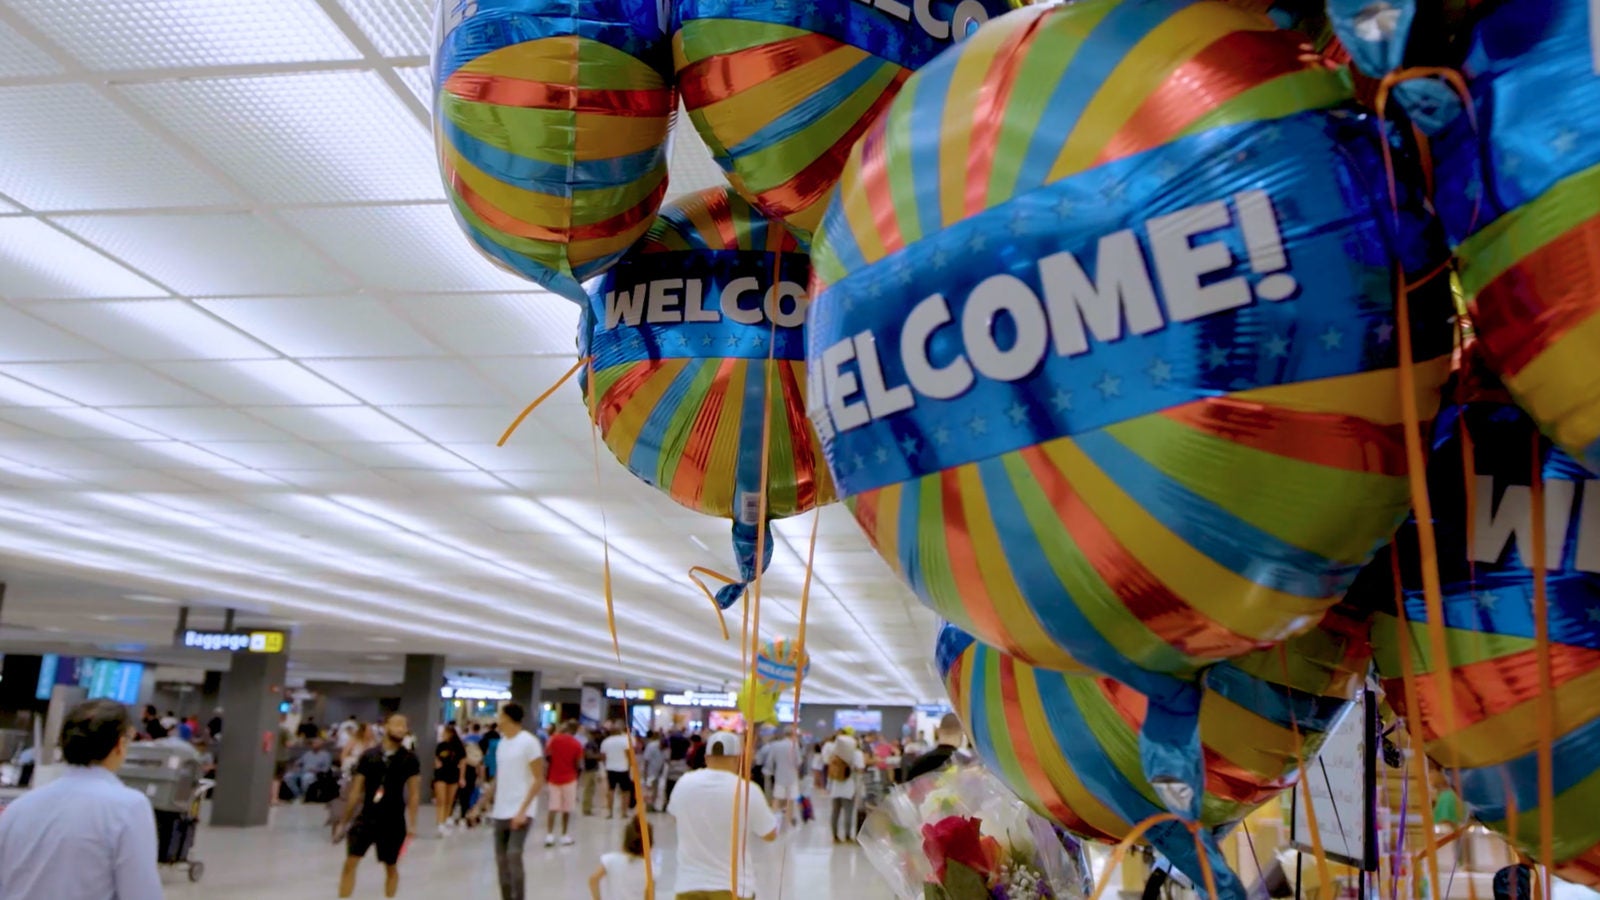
716, 604
1170, 749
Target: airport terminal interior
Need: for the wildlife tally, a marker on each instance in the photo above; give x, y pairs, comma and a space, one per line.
859, 449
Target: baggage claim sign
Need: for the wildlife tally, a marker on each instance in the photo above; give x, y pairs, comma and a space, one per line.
232, 641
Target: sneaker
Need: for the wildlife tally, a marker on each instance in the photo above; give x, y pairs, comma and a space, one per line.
443, 829
568, 840
549, 840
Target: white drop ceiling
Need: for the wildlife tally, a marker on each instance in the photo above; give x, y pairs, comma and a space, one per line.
247, 360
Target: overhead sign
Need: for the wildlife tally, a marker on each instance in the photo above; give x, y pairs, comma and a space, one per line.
232, 641
631, 693
449, 692
712, 699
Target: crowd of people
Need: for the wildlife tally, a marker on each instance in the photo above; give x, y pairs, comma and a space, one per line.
495, 774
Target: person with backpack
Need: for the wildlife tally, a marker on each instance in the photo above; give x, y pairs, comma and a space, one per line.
842, 760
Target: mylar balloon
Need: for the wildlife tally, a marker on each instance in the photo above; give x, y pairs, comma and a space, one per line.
1109, 364
1067, 744
1521, 189
696, 338
780, 661
551, 119
1490, 734
780, 89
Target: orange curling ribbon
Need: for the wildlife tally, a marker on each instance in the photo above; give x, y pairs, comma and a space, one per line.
694, 576
752, 610
1123, 846
528, 411
1544, 704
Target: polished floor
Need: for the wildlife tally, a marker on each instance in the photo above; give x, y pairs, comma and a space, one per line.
293, 857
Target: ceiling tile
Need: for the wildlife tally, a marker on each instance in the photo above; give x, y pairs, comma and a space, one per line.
80, 423
417, 248
273, 455
131, 479
406, 381
401, 456
302, 138
455, 424
427, 479
58, 154
153, 329
202, 423
161, 34
24, 338
39, 262
60, 455
335, 480
20, 58
395, 27
325, 327
496, 324
258, 383
335, 423
104, 384
211, 255
419, 80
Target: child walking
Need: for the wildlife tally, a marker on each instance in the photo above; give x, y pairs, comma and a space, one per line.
621, 875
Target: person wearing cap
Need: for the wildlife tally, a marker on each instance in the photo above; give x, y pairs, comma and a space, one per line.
703, 805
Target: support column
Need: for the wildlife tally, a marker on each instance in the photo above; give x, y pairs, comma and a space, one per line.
252, 688
420, 704
527, 688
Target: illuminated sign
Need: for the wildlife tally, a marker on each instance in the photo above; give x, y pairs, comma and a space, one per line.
233, 641
713, 699
631, 693
473, 693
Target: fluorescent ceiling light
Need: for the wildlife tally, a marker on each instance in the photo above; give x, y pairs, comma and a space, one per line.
151, 598
39, 262
294, 382
107, 423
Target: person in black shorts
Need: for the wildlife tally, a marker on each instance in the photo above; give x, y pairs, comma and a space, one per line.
387, 781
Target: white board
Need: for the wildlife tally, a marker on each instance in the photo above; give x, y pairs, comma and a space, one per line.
1341, 788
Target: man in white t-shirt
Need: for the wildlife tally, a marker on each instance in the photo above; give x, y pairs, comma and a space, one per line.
702, 804
519, 777
619, 777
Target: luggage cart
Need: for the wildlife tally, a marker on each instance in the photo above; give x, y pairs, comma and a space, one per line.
168, 773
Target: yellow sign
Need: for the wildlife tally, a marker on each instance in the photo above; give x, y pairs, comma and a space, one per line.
266, 642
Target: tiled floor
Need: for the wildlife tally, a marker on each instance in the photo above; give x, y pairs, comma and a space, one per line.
293, 857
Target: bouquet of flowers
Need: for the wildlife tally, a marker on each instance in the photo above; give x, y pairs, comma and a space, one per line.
960, 834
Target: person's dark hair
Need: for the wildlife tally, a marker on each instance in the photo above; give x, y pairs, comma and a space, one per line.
512, 711
570, 727
696, 738
92, 731
633, 838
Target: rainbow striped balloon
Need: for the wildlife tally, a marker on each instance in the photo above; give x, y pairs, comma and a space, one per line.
697, 336
551, 120
1067, 744
781, 89
1104, 337
1521, 189
1490, 733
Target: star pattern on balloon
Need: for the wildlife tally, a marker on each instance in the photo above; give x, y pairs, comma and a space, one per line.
978, 425
1160, 371
1486, 600
1109, 385
1018, 413
1331, 339
1061, 400
909, 445
1384, 332
1216, 357
1277, 347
